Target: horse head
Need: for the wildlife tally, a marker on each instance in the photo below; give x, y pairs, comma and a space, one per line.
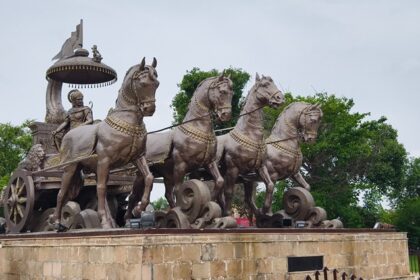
220, 94
267, 92
309, 121
140, 84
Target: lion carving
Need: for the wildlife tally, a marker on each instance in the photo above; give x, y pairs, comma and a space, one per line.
34, 160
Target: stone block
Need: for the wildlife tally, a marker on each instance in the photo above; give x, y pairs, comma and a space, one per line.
162, 271
249, 267
201, 270
146, 272
134, 254
182, 270
241, 250
217, 269
47, 269
225, 251
120, 254
172, 253
264, 265
95, 255
56, 269
191, 252
152, 254
208, 252
234, 268
108, 255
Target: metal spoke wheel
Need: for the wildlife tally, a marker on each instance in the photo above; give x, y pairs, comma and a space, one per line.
19, 201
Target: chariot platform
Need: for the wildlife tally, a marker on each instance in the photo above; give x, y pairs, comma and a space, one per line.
204, 254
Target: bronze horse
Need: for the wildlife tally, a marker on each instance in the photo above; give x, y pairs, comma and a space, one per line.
112, 143
299, 120
243, 149
191, 145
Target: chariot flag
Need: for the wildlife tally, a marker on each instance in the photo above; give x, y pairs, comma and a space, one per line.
75, 41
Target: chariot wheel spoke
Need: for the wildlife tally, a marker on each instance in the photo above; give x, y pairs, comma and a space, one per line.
20, 210
13, 189
20, 189
22, 200
12, 209
15, 214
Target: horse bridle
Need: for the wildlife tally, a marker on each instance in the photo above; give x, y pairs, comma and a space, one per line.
135, 101
305, 112
269, 94
213, 85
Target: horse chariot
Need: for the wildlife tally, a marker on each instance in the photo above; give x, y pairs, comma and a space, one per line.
99, 174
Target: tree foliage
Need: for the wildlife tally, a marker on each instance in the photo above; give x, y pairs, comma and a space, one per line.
407, 218
193, 78
160, 204
15, 141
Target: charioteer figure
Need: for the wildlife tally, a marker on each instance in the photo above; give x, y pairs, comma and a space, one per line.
78, 115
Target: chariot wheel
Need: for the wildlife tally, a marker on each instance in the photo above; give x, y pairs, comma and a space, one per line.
87, 218
177, 219
19, 199
191, 197
69, 213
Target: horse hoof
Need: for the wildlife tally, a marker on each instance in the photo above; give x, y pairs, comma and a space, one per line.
60, 227
106, 225
136, 212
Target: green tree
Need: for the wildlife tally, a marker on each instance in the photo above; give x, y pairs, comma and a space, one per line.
407, 218
15, 141
160, 204
351, 155
193, 78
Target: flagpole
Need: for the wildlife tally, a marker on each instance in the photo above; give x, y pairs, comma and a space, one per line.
81, 33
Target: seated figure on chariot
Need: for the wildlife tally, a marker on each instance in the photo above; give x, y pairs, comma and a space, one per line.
78, 115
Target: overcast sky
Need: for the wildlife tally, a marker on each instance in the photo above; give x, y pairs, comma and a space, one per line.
365, 50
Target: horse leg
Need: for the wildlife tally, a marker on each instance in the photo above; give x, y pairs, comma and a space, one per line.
168, 181
148, 184
180, 169
249, 190
269, 189
298, 178
230, 180
219, 181
102, 179
62, 197
136, 193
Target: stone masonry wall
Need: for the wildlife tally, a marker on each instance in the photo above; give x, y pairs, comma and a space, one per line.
382, 255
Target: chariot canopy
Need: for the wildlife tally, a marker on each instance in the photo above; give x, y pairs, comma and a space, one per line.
75, 67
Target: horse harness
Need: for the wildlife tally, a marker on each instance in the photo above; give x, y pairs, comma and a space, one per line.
296, 154
136, 131
209, 138
248, 143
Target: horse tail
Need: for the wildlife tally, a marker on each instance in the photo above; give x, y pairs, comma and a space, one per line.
75, 184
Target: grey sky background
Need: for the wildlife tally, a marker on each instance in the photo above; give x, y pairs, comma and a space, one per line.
365, 50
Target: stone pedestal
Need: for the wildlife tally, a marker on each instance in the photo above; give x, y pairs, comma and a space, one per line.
41, 134
133, 254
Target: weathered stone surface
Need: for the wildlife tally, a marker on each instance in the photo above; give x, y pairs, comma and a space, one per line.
202, 256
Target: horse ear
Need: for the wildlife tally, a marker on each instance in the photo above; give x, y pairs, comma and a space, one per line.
154, 63
221, 77
257, 77
142, 63
228, 76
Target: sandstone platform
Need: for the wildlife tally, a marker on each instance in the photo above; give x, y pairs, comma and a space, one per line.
201, 254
